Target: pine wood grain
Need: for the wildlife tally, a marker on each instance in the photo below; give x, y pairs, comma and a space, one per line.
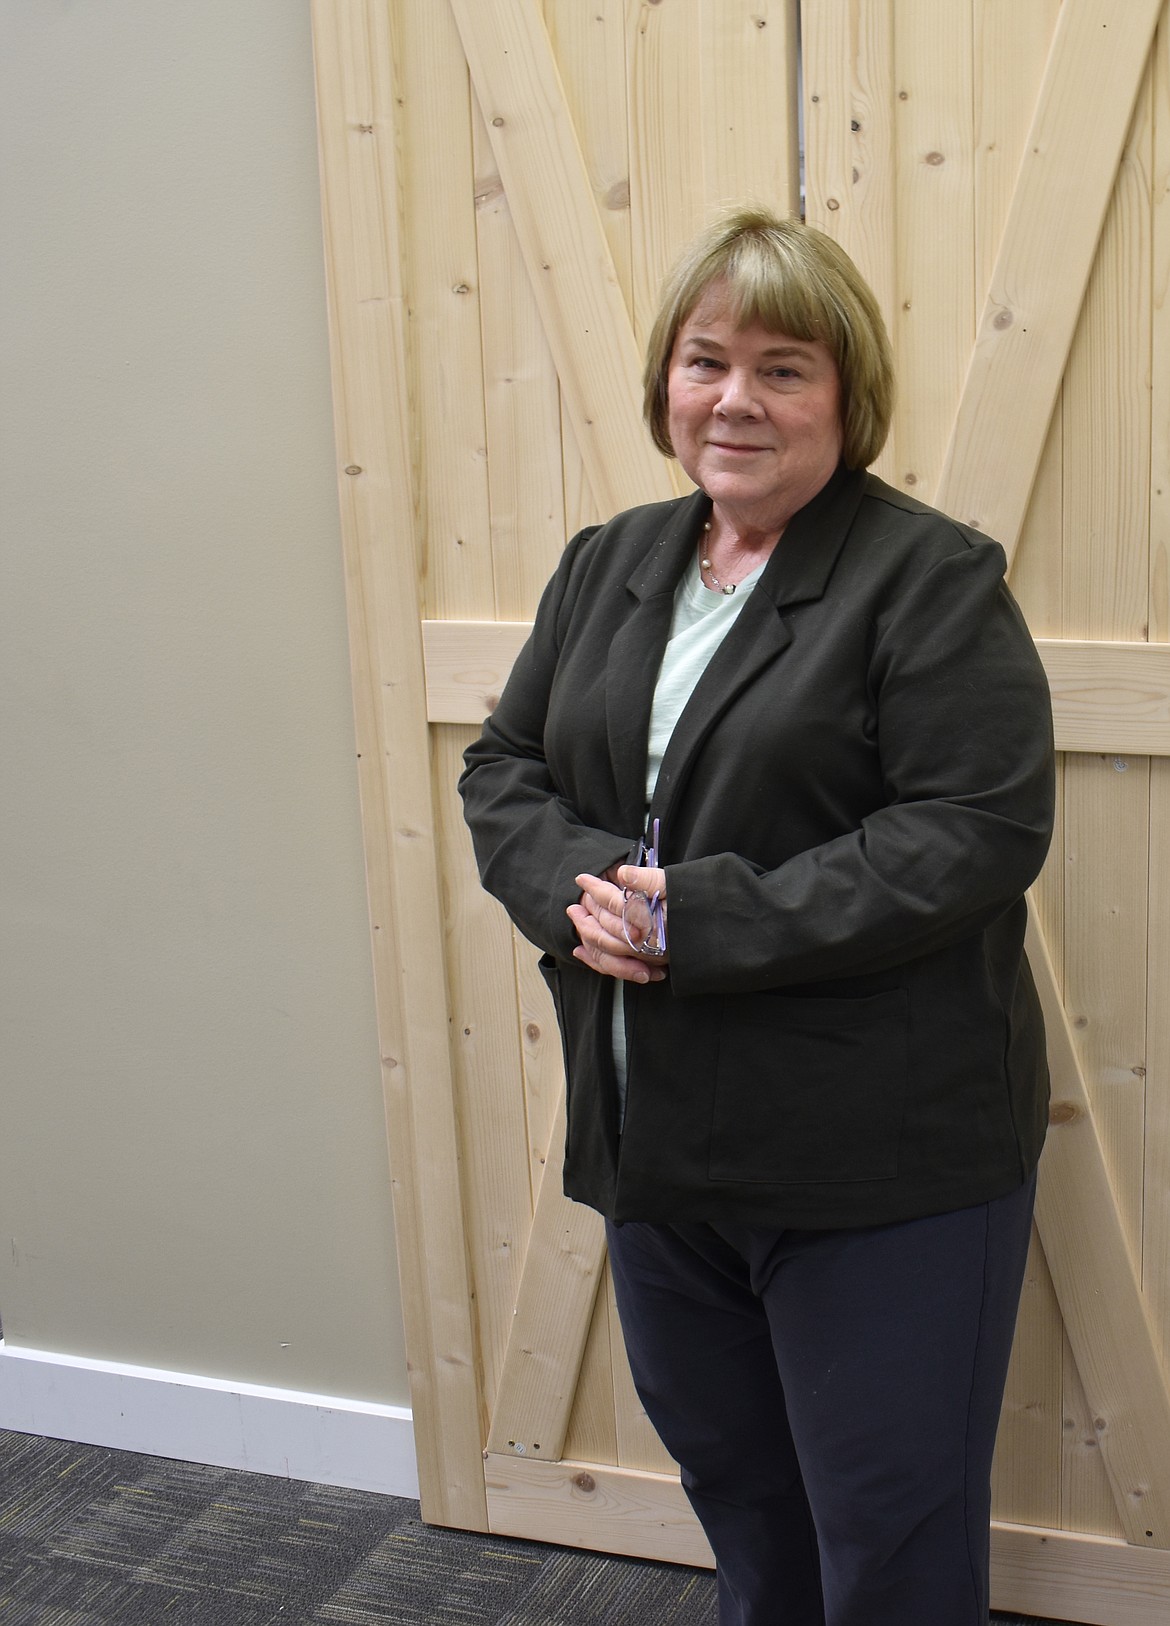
934, 320
442, 288
585, 320
1062, 192
522, 405
747, 104
554, 1308
1098, 1288
1107, 696
849, 102
667, 206
487, 1073
358, 132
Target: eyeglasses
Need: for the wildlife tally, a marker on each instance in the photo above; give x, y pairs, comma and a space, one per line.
644, 917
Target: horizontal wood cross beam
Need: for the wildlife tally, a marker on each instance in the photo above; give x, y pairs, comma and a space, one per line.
1106, 697
646, 1515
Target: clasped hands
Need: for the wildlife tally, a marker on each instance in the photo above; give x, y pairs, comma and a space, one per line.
597, 918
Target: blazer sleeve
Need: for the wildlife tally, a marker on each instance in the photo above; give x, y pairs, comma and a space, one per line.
965, 739
529, 840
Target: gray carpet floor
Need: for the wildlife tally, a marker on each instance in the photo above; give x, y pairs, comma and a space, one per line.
89, 1537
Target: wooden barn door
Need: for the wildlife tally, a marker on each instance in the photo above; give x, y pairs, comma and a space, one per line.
504, 183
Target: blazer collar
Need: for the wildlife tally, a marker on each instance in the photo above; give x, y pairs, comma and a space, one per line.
799, 570
805, 555
801, 563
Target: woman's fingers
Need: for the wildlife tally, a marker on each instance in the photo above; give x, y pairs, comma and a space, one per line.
649, 881
603, 900
598, 924
626, 968
598, 931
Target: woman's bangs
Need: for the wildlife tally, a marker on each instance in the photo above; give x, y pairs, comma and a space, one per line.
764, 287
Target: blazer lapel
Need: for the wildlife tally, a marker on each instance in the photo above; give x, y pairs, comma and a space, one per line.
635, 653
758, 636
799, 570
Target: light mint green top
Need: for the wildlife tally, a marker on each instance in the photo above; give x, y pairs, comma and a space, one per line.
700, 623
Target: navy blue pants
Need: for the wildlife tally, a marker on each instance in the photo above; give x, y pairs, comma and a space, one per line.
832, 1398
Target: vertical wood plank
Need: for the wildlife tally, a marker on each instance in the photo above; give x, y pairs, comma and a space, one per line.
522, 399
589, 44
1026, 1474
1106, 523
849, 99
747, 103
935, 171
666, 143
1156, 1255
444, 295
1107, 836
638, 1446
485, 1052
1011, 46
1160, 342
358, 128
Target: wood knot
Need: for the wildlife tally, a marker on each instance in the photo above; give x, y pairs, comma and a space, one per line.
585, 1482
1002, 320
935, 159
1063, 1112
618, 196
831, 203
532, 1032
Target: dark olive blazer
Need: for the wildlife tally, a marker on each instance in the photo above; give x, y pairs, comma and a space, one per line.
852, 804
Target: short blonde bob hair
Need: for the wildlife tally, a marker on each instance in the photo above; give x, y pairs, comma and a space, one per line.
794, 280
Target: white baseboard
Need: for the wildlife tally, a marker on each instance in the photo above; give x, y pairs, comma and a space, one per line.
195, 1419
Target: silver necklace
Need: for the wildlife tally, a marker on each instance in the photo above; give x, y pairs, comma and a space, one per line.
705, 564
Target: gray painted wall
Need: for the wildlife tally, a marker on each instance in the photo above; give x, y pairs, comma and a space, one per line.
193, 1166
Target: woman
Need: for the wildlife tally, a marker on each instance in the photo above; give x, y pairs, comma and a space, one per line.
810, 1103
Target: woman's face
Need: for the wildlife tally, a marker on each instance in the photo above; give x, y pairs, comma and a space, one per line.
754, 416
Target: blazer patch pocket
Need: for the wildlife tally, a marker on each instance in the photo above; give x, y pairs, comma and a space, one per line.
810, 1090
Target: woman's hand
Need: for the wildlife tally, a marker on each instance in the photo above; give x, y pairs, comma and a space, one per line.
597, 918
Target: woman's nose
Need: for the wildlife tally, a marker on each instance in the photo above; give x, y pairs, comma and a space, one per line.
738, 397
